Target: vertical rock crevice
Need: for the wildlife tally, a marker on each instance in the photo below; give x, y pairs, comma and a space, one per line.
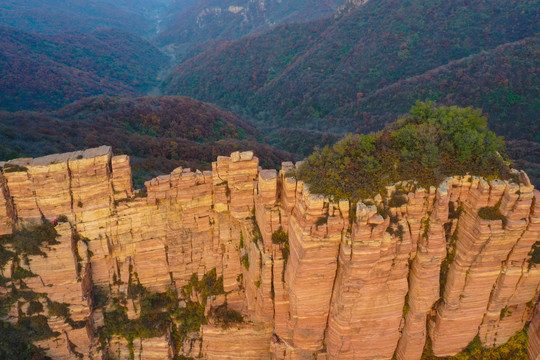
363, 294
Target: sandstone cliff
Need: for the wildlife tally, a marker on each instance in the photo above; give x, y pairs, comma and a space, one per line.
257, 267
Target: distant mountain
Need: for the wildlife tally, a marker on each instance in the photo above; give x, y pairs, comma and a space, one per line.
299, 75
526, 155
160, 133
502, 81
58, 16
47, 72
192, 23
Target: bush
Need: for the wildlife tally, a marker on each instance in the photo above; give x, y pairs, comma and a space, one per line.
189, 319
149, 324
257, 236
321, 221
209, 285
503, 312
285, 252
280, 237
515, 348
58, 309
63, 219
135, 289
152, 302
427, 146
34, 307
29, 241
100, 296
397, 200
225, 317
116, 322
245, 261
19, 273
36, 327
160, 311
5, 256
15, 344
535, 253
492, 213
8, 168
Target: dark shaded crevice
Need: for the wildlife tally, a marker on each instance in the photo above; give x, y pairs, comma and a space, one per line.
332, 294
11, 210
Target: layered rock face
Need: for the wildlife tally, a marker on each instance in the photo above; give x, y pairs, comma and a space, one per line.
534, 337
311, 277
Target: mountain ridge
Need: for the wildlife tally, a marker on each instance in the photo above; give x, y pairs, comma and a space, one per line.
356, 71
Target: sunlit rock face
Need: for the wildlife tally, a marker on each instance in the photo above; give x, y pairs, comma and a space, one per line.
534, 337
312, 277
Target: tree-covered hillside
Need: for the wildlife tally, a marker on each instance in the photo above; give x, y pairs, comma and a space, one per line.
300, 74
159, 133
58, 16
47, 72
200, 24
503, 82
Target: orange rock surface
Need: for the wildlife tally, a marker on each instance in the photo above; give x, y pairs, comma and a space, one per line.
371, 280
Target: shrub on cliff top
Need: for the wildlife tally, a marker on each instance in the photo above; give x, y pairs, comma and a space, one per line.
427, 145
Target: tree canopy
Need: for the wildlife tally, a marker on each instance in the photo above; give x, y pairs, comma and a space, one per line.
427, 145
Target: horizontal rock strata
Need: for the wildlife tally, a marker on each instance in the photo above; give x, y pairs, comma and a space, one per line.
312, 278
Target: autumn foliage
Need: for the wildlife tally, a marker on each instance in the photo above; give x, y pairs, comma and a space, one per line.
159, 133
427, 145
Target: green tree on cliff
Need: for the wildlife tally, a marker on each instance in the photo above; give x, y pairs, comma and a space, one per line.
427, 145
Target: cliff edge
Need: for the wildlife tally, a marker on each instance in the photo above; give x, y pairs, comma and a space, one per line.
245, 263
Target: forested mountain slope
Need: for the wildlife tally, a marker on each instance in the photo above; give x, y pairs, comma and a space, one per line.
303, 72
58, 16
503, 82
195, 24
160, 133
46, 72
